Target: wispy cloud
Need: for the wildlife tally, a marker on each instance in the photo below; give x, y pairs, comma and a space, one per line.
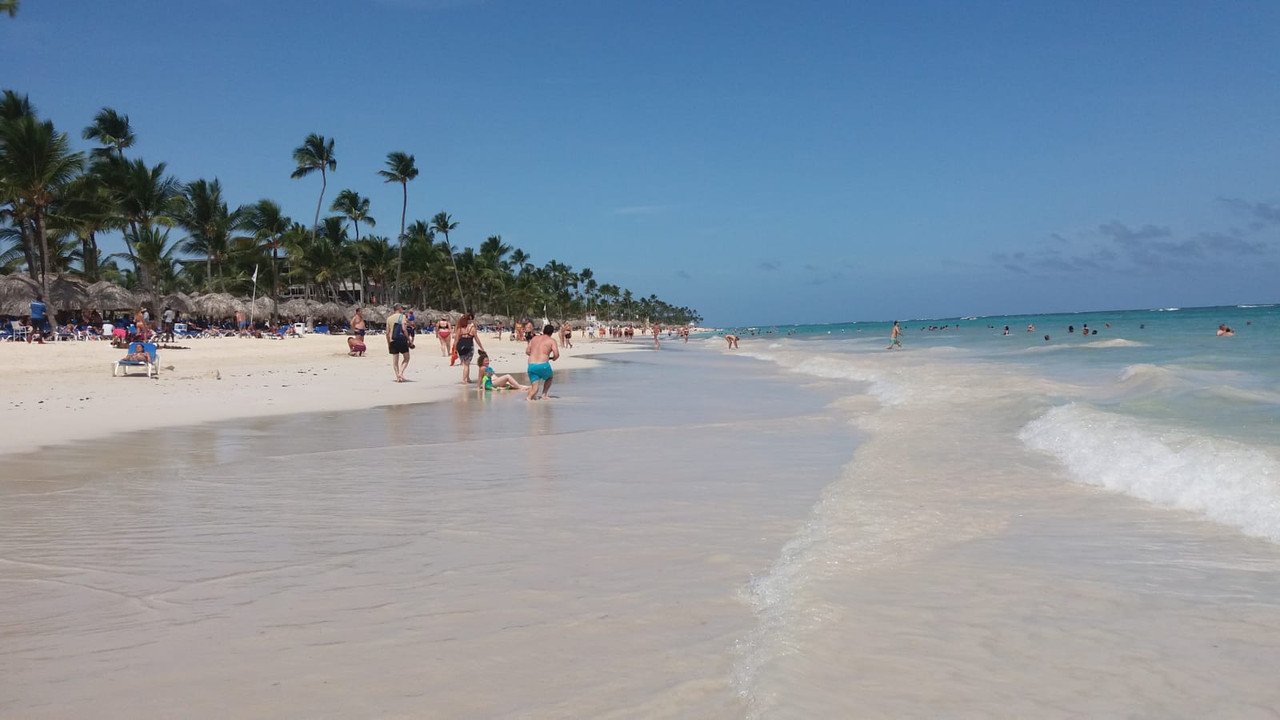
1260, 215
770, 265
1121, 248
683, 275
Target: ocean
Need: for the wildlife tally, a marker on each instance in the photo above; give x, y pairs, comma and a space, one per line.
978, 525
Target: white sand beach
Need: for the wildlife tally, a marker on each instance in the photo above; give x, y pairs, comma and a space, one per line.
62, 392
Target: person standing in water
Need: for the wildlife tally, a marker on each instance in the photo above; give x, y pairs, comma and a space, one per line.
541, 351
895, 337
466, 338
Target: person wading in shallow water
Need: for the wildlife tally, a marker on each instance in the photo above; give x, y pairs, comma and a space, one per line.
541, 351
895, 337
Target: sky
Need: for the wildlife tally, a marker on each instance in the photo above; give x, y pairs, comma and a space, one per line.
760, 162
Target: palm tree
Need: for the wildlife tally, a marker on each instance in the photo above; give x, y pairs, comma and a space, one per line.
204, 215
355, 208
35, 162
9, 6
400, 168
442, 224
85, 209
315, 153
144, 194
112, 130
268, 225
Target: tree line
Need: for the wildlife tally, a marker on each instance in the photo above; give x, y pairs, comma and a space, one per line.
56, 203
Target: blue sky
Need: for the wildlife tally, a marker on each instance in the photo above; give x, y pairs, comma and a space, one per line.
761, 162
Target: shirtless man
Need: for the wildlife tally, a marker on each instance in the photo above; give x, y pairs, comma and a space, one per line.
566, 332
732, 340
357, 323
541, 350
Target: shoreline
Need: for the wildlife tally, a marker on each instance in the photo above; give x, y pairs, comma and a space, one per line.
62, 393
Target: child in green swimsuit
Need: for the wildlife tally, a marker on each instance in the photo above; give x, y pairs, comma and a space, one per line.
490, 381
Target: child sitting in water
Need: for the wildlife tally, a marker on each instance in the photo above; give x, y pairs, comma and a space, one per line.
489, 381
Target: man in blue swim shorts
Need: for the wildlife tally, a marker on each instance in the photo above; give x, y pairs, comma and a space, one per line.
541, 350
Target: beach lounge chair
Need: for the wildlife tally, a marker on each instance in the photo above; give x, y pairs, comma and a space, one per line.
20, 331
152, 364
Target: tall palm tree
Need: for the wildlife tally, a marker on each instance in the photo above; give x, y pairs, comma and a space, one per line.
400, 168
203, 213
145, 195
268, 224
14, 106
356, 209
112, 131
9, 6
85, 209
442, 223
315, 153
36, 161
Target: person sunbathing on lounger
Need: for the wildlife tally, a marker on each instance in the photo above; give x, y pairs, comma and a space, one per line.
137, 353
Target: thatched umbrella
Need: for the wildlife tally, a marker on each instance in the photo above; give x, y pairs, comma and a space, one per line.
217, 305
296, 308
330, 311
16, 293
179, 302
263, 306
108, 296
68, 292
375, 313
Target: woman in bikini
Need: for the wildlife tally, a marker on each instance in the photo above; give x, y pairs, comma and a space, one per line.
466, 338
442, 334
489, 380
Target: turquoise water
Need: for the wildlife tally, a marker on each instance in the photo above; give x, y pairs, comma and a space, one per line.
1152, 402
978, 525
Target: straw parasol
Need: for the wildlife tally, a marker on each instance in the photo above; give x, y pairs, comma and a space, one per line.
330, 311
217, 305
16, 293
376, 313
179, 302
68, 292
296, 307
264, 306
105, 295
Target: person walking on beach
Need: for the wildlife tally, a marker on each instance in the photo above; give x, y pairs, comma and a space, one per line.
397, 340
656, 330
541, 351
466, 338
140, 325
39, 321
442, 334
566, 333
895, 337
169, 317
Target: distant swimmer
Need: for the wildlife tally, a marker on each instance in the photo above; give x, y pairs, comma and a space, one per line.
733, 341
1031, 328
1224, 331
895, 337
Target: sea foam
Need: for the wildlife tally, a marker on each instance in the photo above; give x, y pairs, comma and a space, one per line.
1222, 480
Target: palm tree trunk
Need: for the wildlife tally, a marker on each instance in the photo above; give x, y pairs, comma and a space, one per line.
400, 255
315, 225
44, 254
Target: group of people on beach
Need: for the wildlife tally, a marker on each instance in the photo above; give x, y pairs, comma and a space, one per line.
462, 343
